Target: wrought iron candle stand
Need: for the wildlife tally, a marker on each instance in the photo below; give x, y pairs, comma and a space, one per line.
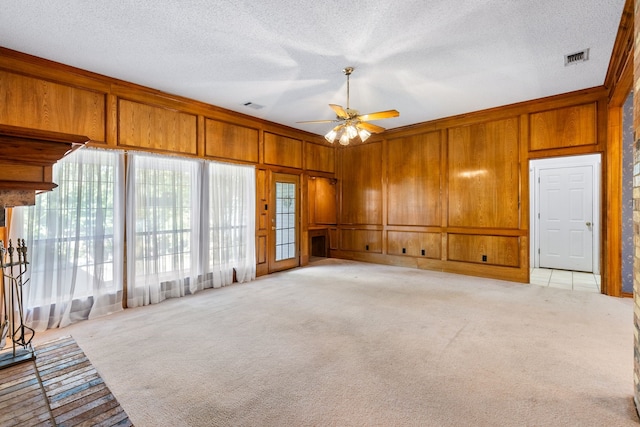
13, 261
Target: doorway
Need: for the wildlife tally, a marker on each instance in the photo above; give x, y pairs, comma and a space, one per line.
565, 213
284, 248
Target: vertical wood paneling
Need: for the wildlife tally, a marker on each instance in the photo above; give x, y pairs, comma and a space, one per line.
261, 250
482, 171
262, 197
362, 184
229, 141
262, 220
484, 175
157, 128
320, 158
361, 240
499, 250
325, 201
282, 150
333, 238
564, 127
414, 180
111, 117
40, 104
413, 243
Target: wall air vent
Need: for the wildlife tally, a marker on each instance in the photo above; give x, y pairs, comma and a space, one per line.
574, 58
253, 105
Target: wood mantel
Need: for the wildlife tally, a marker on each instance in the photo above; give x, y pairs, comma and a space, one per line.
27, 157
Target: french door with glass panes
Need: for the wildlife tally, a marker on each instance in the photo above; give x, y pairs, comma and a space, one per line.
284, 247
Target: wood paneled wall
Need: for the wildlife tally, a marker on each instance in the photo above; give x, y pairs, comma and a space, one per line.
484, 178
44, 95
564, 127
156, 128
414, 180
438, 195
322, 202
37, 103
453, 194
361, 197
220, 137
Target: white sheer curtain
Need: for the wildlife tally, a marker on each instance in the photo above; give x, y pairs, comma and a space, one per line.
228, 230
163, 220
190, 225
75, 240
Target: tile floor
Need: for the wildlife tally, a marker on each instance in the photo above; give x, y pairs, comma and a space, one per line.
572, 280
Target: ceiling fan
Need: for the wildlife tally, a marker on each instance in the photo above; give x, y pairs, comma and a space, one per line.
352, 123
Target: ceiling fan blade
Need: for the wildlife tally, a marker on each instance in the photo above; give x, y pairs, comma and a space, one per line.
379, 115
370, 127
340, 112
319, 121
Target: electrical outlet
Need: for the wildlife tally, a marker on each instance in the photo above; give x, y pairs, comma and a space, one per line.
366, 247
423, 252
404, 250
484, 258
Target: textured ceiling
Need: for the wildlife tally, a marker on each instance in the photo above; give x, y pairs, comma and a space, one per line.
426, 58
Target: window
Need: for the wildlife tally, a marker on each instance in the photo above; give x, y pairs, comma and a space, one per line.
190, 225
194, 226
163, 207
228, 224
75, 241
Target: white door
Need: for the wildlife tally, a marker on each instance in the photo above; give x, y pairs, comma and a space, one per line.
566, 218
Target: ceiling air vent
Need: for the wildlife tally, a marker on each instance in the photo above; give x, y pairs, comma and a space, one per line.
574, 58
253, 105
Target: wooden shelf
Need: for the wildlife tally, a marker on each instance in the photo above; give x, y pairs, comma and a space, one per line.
28, 155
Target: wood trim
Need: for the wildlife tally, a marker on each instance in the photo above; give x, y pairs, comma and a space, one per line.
619, 82
527, 107
38, 149
611, 271
621, 62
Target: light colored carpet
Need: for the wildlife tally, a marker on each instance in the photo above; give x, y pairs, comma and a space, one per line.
341, 343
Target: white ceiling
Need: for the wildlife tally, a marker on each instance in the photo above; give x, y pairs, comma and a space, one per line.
426, 58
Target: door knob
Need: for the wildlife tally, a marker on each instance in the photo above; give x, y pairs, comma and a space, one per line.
588, 224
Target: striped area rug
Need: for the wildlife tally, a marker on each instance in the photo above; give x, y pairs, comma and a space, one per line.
59, 388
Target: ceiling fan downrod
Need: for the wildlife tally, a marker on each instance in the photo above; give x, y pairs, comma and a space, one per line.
347, 71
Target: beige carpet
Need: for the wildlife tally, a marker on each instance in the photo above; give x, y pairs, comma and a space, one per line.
341, 343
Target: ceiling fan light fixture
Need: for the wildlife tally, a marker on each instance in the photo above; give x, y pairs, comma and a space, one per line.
331, 136
352, 123
364, 134
351, 131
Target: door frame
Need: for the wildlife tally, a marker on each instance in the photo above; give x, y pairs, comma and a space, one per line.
594, 160
274, 265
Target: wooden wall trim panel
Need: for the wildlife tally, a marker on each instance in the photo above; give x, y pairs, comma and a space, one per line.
484, 175
320, 157
262, 222
414, 244
156, 128
230, 141
35, 103
44, 69
282, 151
322, 201
361, 240
497, 250
565, 100
361, 184
619, 73
413, 180
564, 127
